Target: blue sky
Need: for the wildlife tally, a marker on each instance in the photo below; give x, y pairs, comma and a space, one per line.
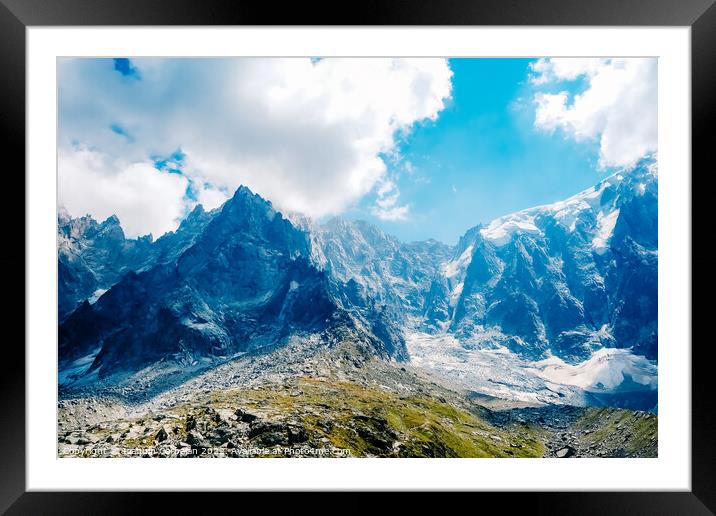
423, 148
483, 157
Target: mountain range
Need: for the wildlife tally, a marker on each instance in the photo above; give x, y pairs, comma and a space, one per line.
553, 287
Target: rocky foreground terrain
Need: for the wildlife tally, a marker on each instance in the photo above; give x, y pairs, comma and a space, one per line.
298, 401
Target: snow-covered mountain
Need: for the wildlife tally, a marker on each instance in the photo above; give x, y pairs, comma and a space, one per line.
522, 305
556, 303
564, 279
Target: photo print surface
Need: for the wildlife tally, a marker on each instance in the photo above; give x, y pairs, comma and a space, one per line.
357, 257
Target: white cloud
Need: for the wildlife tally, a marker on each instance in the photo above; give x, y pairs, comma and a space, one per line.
560, 69
386, 205
144, 199
307, 135
211, 198
618, 108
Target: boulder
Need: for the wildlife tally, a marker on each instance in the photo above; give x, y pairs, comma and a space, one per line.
194, 438
245, 417
565, 452
269, 434
161, 436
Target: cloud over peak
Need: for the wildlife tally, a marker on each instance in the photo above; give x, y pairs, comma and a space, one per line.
617, 108
309, 135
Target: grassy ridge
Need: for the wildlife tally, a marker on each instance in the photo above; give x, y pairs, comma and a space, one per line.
371, 421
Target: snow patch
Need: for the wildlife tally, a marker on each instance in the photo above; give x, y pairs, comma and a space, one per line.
96, 295
455, 294
451, 268
76, 369
484, 366
605, 371
605, 229
500, 231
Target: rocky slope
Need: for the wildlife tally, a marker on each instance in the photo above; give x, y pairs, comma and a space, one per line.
341, 403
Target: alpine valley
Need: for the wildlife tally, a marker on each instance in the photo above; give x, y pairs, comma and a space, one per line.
248, 332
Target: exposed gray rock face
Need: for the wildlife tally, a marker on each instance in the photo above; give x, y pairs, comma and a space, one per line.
379, 279
244, 282
94, 256
380, 267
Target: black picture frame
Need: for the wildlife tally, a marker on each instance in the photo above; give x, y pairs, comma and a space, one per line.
17, 15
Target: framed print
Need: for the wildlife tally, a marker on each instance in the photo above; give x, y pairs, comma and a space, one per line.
429, 248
